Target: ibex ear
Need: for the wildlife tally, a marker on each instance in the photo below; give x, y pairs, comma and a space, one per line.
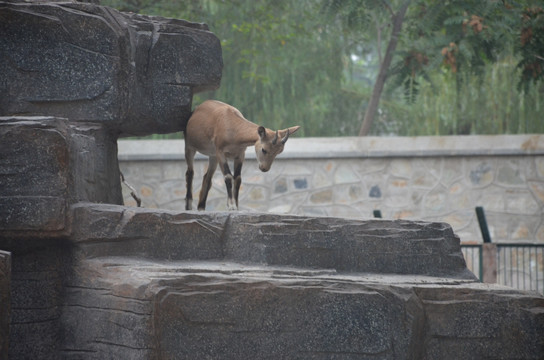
262, 132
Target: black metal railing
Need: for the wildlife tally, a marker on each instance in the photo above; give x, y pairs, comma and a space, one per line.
474, 258
521, 266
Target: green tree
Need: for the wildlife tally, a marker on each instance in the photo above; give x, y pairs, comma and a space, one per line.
283, 64
463, 37
315, 63
354, 13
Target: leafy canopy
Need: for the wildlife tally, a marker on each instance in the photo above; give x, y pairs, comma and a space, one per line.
460, 67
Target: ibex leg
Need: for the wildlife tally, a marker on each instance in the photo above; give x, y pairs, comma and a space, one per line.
237, 178
207, 183
229, 180
189, 157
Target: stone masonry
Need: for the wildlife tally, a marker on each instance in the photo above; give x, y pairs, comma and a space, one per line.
425, 178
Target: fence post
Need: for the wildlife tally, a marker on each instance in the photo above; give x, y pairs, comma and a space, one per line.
483, 224
489, 263
489, 250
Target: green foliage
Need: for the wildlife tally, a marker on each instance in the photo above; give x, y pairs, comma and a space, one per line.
279, 71
531, 45
462, 55
313, 63
486, 104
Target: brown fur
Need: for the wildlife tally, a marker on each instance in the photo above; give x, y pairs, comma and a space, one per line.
221, 132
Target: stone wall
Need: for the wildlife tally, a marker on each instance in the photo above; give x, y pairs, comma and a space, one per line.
424, 178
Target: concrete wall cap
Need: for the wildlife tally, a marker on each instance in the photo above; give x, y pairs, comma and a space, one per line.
359, 147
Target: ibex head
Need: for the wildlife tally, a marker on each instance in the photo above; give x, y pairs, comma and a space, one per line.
271, 144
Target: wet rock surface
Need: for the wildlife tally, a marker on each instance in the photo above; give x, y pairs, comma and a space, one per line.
228, 310
377, 246
134, 74
49, 163
244, 285
5, 302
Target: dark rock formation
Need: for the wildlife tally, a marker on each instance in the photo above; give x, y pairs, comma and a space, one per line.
219, 285
5, 302
133, 74
49, 164
389, 247
82, 75
482, 322
37, 296
75, 77
237, 285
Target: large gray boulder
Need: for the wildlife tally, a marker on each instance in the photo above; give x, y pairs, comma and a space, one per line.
49, 163
134, 74
5, 302
159, 284
75, 77
389, 247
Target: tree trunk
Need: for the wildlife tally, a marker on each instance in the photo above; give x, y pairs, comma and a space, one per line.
398, 18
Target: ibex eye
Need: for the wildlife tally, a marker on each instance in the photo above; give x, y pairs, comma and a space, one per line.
264, 151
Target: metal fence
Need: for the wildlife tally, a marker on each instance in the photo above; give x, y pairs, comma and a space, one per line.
520, 266
474, 258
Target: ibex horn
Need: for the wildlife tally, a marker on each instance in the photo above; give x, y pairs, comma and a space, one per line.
275, 138
285, 138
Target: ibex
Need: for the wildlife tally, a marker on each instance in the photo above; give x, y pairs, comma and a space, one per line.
221, 132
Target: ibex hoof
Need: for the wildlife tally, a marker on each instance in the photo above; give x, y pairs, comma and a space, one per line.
231, 206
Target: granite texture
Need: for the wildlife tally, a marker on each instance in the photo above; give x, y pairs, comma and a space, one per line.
374, 246
144, 309
133, 74
75, 77
48, 164
157, 284
5, 302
